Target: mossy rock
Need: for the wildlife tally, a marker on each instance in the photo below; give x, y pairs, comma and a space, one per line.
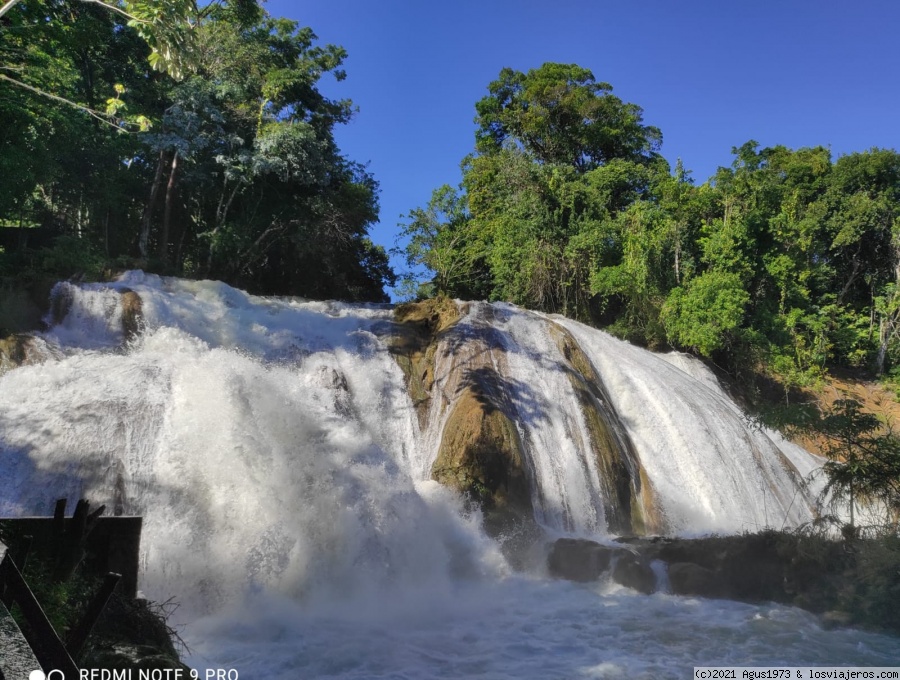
418, 328
12, 352
481, 456
132, 313
434, 315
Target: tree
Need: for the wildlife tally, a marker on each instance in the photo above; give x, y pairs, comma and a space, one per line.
706, 313
166, 27
436, 235
557, 158
863, 458
862, 205
561, 115
239, 178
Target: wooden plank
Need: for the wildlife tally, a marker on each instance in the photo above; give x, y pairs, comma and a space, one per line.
113, 545
47, 647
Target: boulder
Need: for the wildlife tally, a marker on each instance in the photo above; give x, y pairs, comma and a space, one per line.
578, 559
481, 456
132, 314
631, 571
417, 328
687, 578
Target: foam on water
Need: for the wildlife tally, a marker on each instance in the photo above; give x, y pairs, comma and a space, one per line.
525, 628
274, 452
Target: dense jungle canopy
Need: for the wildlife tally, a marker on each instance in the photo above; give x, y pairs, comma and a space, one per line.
196, 141
214, 157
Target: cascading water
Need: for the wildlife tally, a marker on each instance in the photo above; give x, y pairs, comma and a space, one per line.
711, 469
275, 453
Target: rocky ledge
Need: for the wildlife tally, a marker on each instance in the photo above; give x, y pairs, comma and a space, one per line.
846, 582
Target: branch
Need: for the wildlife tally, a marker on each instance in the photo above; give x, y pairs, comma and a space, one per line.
246, 258
121, 11
206, 11
69, 102
12, 3
8, 6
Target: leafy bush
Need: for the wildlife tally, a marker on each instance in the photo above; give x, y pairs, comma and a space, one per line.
70, 256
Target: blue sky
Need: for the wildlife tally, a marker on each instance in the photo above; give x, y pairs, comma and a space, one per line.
711, 75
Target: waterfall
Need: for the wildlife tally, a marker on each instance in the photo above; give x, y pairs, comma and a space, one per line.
277, 456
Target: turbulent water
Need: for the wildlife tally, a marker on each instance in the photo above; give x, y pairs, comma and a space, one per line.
277, 458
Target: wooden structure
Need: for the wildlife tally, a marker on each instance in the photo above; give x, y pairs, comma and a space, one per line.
113, 544
48, 650
67, 542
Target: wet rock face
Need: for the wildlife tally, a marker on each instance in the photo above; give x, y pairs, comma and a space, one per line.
582, 560
687, 578
577, 559
458, 376
630, 506
417, 330
23, 349
481, 455
12, 352
480, 452
22, 309
633, 571
809, 572
132, 314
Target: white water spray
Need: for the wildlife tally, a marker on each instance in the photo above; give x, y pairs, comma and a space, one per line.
276, 456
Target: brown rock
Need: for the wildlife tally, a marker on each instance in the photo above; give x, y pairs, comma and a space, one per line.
481, 455
578, 559
132, 314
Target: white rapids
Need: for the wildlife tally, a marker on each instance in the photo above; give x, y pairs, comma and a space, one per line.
274, 452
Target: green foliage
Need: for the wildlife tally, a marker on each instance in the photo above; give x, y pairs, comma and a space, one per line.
62, 601
168, 29
70, 256
784, 264
435, 237
862, 449
877, 583
863, 457
706, 313
558, 157
237, 175
562, 116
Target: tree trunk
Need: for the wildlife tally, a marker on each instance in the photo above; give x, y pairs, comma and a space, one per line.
8, 6
883, 337
163, 246
221, 215
148, 209
677, 257
106, 233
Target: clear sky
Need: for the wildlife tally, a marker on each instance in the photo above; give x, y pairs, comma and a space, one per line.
710, 74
